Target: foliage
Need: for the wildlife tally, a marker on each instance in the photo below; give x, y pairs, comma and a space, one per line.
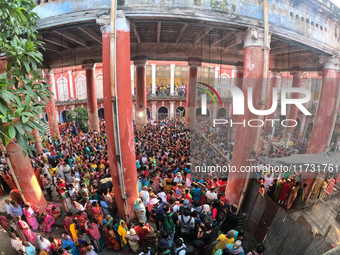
80, 115
21, 83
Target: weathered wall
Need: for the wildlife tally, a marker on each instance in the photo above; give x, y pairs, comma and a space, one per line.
299, 22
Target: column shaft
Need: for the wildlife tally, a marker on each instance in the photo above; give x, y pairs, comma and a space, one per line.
172, 79
292, 109
51, 112
190, 112
154, 110
26, 177
153, 74
325, 116
172, 109
92, 99
132, 79
126, 130
38, 145
247, 138
274, 81
140, 96
107, 91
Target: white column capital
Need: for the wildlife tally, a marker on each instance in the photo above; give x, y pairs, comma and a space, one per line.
105, 23
172, 66
153, 102
69, 71
217, 68
172, 102
254, 36
330, 62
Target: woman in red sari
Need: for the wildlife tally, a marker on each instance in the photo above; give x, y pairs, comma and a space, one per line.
111, 239
8, 179
55, 244
82, 219
68, 220
97, 213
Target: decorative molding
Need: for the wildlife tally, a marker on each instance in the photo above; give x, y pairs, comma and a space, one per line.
329, 62
254, 36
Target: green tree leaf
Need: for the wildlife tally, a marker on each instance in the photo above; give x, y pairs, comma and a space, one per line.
11, 131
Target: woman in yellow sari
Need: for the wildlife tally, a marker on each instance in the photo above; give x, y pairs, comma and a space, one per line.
74, 230
122, 231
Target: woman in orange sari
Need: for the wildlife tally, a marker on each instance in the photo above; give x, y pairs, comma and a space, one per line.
37, 174
111, 239
97, 213
88, 209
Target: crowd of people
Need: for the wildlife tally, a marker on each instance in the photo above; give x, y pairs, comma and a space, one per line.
186, 212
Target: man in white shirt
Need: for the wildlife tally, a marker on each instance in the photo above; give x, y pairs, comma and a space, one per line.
60, 170
211, 195
178, 178
9, 208
17, 244
144, 159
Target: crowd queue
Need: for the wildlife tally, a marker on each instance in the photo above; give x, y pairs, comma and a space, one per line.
189, 215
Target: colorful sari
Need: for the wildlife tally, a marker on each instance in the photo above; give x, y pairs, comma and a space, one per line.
291, 197
97, 213
139, 208
88, 209
65, 243
74, 233
67, 223
30, 217
111, 240
47, 224
122, 231
82, 219
15, 195
25, 229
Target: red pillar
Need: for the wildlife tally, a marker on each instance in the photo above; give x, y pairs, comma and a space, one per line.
124, 95
274, 82
91, 96
107, 93
326, 113
238, 75
246, 137
190, 111
140, 93
38, 145
51, 112
292, 109
26, 177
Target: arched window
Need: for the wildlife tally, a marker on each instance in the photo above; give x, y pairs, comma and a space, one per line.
99, 86
62, 89
81, 87
225, 79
